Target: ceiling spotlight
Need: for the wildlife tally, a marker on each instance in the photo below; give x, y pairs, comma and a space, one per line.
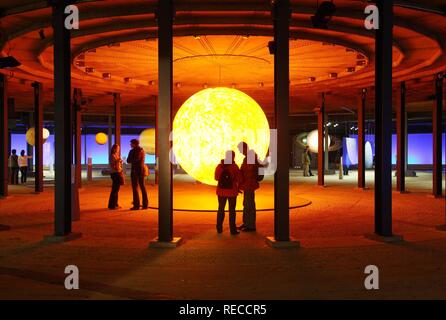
350, 69
361, 63
323, 15
9, 62
80, 64
89, 69
205, 85
312, 79
333, 75
335, 125
178, 84
245, 37
196, 37
106, 75
261, 84
128, 80
42, 34
151, 83
329, 124
233, 85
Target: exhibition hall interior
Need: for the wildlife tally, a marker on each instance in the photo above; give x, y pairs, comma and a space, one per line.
338, 107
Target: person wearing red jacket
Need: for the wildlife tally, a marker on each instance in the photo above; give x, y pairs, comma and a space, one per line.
227, 174
250, 182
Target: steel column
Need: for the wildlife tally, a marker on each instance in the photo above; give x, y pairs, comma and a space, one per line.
437, 188
77, 110
4, 136
38, 136
63, 120
401, 135
383, 119
361, 138
281, 16
117, 108
165, 16
320, 143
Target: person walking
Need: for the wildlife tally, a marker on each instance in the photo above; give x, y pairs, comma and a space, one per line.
23, 165
117, 176
136, 158
249, 183
306, 162
227, 174
13, 164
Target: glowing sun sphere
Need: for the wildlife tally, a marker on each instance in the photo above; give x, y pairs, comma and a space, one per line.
101, 138
213, 121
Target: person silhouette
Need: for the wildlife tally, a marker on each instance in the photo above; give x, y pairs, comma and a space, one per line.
227, 173
137, 158
250, 182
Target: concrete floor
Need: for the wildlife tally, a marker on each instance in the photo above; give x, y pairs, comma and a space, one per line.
115, 263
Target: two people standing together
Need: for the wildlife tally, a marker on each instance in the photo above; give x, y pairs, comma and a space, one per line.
233, 180
139, 171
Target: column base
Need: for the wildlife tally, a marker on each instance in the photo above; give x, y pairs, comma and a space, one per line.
363, 189
273, 243
60, 239
4, 227
441, 227
321, 186
434, 196
165, 244
386, 239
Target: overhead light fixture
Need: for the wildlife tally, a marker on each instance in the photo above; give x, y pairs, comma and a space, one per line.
312, 79
361, 63
89, 69
323, 15
80, 64
261, 84
205, 86
128, 80
178, 84
245, 37
9, 62
336, 125
350, 69
333, 75
197, 37
42, 34
328, 124
151, 83
106, 75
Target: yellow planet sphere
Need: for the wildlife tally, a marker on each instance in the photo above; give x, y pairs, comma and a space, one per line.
101, 138
312, 141
31, 135
147, 140
213, 121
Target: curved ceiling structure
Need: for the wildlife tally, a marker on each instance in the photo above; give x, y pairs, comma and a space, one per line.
221, 43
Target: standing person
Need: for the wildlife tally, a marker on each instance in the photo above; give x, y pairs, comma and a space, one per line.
13, 164
137, 158
250, 182
227, 174
116, 174
306, 162
23, 165
309, 161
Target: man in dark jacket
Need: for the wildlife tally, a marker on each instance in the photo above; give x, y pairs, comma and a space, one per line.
13, 164
137, 158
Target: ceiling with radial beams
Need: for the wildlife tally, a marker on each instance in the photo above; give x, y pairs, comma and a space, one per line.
221, 43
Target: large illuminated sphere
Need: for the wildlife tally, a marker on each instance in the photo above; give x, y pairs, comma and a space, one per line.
31, 135
101, 138
213, 121
312, 141
147, 140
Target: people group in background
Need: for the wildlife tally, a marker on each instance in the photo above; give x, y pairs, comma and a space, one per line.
117, 176
139, 171
13, 164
